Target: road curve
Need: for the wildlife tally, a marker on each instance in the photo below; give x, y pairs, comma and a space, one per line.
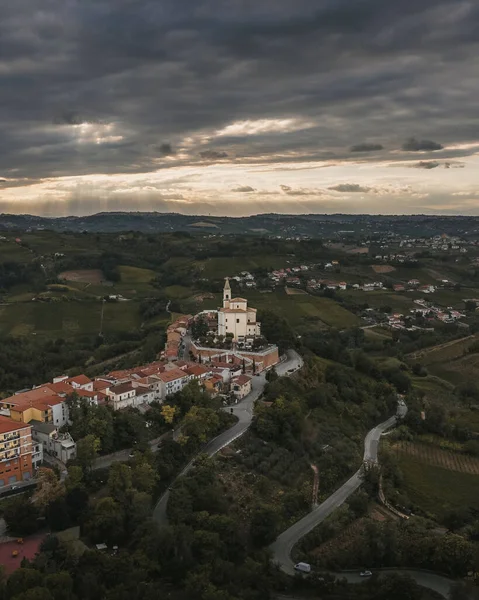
284, 543
244, 410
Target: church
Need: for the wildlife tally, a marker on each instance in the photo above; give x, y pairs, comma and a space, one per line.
236, 317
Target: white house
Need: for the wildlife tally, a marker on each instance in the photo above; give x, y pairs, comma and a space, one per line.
241, 386
172, 381
122, 396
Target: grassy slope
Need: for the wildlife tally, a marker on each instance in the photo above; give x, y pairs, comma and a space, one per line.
437, 490
67, 319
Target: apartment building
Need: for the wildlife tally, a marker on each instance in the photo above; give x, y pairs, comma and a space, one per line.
15, 451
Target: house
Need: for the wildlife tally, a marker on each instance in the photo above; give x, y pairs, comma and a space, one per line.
399, 287
213, 385
427, 289
198, 372
172, 381
15, 451
59, 445
413, 282
241, 386
122, 396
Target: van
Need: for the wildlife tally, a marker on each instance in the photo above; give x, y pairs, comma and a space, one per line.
303, 567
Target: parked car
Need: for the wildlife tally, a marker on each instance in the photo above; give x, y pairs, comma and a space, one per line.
365, 574
303, 567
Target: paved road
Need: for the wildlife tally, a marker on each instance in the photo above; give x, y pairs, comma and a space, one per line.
244, 411
283, 545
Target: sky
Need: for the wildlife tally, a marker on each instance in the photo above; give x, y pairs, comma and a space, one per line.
236, 107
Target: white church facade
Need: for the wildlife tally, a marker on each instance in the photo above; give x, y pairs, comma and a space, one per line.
235, 317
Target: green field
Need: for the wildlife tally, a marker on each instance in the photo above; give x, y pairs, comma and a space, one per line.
436, 490
67, 319
134, 275
217, 267
398, 302
12, 251
298, 309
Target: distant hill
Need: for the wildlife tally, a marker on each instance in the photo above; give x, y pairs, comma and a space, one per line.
312, 225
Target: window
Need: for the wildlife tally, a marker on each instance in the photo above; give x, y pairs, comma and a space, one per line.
237, 320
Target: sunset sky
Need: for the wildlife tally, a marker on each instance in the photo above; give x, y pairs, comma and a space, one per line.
236, 107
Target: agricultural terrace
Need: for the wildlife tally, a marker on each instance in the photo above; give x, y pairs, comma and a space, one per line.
436, 490
433, 455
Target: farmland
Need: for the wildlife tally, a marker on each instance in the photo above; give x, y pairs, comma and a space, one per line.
218, 267
432, 455
436, 490
67, 319
298, 309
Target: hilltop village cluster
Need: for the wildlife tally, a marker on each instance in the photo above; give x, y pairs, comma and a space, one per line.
33, 421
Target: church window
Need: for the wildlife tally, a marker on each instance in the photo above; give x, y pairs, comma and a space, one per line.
237, 320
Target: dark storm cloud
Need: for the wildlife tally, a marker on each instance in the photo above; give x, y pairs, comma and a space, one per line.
213, 154
71, 117
366, 147
243, 189
349, 187
139, 72
413, 145
166, 149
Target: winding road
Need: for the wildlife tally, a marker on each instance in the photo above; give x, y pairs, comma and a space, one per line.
283, 546
244, 411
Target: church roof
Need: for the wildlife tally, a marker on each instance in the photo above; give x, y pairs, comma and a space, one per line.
238, 300
232, 310
227, 284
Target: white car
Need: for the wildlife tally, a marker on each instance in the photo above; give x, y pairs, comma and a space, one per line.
365, 574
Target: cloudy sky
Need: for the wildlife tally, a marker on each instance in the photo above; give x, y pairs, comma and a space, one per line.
239, 106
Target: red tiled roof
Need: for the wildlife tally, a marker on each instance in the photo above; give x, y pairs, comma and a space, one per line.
171, 375
7, 424
197, 370
242, 379
79, 379
100, 384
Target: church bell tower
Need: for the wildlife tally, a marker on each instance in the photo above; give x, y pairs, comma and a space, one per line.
226, 294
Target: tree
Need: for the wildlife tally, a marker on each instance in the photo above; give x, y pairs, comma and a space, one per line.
22, 580
57, 514
168, 413
272, 375
75, 478
49, 488
60, 585
106, 522
470, 305
200, 423
143, 476
87, 450
36, 593
264, 525
21, 516
120, 483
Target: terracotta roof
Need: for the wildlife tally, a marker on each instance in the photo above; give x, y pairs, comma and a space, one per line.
242, 379
86, 394
171, 375
7, 424
100, 384
60, 388
232, 310
197, 370
79, 379
238, 300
